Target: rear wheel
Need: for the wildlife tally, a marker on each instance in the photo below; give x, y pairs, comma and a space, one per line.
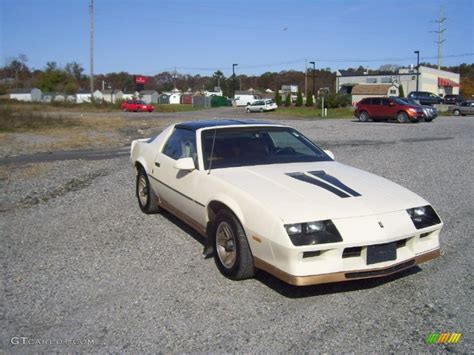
364, 116
248, 110
232, 253
456, 112
147, 199
402, 117
125, 110
261, 110
428, 119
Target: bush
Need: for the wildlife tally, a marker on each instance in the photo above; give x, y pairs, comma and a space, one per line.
288, 100
299, 99
309, 100
401, 93
335, 100
277, 98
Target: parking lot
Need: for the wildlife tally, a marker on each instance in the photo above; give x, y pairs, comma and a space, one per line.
80, 261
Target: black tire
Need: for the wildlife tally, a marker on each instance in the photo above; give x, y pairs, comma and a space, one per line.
242, 266
402, 117
456, 112
125, 110
147, 199
428, 119
364, 116
261, 110
247, 110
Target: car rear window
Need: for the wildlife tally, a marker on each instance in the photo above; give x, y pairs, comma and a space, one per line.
376, 101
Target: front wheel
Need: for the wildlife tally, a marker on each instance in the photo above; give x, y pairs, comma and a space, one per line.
247, 110
232, 253
147, 199
457, 113
261, 110
428, 119
402, 117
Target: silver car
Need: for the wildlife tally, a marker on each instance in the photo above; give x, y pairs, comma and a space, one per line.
462, 109
262, 106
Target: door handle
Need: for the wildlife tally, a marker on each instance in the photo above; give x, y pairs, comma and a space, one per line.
157, 164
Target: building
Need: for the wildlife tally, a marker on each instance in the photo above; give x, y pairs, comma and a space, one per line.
360, 91
130, 95
33, 94
111, 96
149, 96
439, 82
83, 96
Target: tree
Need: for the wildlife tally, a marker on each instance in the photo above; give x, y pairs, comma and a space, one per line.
277, 98
288, 100
75, 70
309, 100
401, 93
299, 99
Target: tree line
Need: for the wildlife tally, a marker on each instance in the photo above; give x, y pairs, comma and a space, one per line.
71, 78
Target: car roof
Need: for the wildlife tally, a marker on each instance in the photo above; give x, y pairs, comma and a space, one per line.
195, 125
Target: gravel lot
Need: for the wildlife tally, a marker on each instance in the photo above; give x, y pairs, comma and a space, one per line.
80, 261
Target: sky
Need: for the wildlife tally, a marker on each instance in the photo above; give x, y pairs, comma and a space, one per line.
202, 36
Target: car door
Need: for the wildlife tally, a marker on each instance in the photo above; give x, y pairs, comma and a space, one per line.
389, 108
375, 107
178, 188
469, 108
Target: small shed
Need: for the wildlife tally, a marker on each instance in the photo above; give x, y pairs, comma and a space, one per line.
187, 99
361, 91
33, 94
175, 98
201, 101
149, 96
130, 95
111, 96
164, 99
83, 96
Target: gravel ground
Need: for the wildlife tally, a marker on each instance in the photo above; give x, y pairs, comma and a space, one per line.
85, 263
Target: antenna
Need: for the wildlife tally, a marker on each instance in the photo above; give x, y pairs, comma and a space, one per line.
441, 29
212, 151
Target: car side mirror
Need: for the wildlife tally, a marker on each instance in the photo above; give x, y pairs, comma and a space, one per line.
185, 164
331, 154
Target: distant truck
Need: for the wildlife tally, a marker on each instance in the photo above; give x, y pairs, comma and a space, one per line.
245, 99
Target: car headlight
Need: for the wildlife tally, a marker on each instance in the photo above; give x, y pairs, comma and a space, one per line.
311, 233
424, 216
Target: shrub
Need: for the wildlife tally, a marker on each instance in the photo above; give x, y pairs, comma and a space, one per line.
401, 93
288, 100
299, 99
309, 100
277, 98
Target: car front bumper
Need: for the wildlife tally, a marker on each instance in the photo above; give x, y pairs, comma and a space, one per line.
345, 275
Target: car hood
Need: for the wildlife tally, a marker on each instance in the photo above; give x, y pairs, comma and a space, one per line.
298, 192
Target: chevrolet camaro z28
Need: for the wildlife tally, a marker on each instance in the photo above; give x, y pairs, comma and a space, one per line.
265, 197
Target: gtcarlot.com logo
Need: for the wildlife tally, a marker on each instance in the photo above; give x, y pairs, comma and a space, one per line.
443, 338
50, 341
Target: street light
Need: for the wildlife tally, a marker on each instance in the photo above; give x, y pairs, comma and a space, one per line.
314, 83
233, 79
417, 67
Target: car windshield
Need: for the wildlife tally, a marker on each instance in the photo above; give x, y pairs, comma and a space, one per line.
234, 147
140, 102
402, 101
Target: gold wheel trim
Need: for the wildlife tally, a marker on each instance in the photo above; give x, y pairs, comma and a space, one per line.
225, 245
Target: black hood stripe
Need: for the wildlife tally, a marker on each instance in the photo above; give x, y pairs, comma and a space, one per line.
334, 181
306, 178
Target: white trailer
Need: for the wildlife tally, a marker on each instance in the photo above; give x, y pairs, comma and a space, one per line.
245, 99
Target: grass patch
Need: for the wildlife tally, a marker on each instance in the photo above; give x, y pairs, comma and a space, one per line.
312, 113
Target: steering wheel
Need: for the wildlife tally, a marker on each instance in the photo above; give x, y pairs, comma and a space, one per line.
285, 150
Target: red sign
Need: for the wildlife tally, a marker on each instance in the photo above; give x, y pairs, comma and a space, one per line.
140, 79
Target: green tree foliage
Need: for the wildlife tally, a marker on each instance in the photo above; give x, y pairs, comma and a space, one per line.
278, 98
401, 93
299, 99
288, 100
309, 100
335, 100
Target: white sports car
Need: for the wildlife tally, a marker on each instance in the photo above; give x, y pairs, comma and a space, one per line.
266, 197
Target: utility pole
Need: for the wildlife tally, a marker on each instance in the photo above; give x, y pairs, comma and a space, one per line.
233, 80
91, 14
314, 83
417, 67
306, 78
441, 29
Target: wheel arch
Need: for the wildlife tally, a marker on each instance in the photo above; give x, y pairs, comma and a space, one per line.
215, 205
140, 163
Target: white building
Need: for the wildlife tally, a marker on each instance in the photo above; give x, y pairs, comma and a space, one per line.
83, 96
361, 91
439, 82
130, 95
26, 95
111, 96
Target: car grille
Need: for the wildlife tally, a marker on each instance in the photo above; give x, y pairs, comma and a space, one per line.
387, 271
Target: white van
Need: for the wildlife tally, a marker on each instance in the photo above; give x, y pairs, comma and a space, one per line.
244, 99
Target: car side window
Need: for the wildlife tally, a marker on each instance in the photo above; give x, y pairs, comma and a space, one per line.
376, 101
385, 102
181, 144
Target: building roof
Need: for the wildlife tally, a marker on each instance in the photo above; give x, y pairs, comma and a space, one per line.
195, 125
21, 91
380, 89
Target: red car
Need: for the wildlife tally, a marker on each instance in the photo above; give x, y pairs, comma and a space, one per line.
377, 108
136, 106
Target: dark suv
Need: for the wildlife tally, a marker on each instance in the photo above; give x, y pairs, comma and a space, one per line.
453, 99
377, 108
425, 98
